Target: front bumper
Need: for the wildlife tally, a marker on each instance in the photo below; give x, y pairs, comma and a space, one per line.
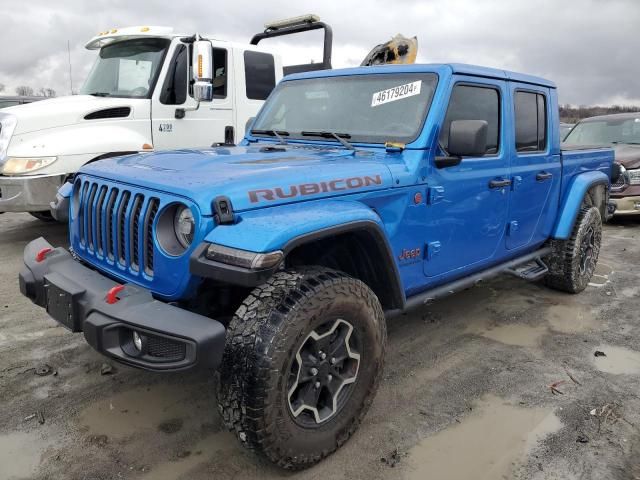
75, 296
626, 205
32, 193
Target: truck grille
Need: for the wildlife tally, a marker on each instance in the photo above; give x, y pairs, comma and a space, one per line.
116, 224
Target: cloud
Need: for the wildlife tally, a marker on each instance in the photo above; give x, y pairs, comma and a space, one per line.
588, 47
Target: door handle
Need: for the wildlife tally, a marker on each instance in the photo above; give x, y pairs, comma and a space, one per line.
499, 183
542, 176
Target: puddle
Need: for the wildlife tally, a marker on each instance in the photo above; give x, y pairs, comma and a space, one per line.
570, 318
19, 455
201, 452
140, 409
601, 275
618, 360
514, 334
463, 451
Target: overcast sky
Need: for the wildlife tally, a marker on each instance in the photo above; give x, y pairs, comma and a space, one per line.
590, 48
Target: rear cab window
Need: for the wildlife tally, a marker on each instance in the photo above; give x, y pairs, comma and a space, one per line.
530, 121
259, 73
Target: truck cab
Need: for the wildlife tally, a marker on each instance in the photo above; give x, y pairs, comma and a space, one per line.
356, 195
139, 96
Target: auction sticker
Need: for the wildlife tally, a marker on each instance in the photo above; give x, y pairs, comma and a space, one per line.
396, 93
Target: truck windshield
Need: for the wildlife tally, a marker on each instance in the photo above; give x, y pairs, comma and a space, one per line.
373, 108
126, 69
606, 131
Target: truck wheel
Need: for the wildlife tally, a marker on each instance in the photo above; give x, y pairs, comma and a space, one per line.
43, 216
573, 261
302, 362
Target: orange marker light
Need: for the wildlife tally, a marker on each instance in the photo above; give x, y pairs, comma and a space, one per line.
200, 66
146, 146
417, 198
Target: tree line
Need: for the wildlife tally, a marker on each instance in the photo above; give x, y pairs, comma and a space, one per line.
26, 91
571, 114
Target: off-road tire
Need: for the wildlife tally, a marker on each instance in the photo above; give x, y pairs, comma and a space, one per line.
43, 216
262, 341
566, 260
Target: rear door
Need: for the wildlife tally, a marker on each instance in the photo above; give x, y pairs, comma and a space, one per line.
197, 128
468, 203
535, 169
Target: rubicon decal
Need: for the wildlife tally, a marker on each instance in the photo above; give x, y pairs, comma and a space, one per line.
291, 191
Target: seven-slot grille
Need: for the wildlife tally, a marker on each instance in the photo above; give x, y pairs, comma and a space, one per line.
117, 224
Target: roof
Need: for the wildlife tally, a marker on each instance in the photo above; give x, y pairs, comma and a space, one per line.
461, 68
613, 116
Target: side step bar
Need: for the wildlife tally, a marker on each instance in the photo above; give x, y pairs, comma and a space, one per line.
518, 266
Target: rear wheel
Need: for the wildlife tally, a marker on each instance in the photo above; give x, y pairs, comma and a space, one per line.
44, 216
573, 261
302, 362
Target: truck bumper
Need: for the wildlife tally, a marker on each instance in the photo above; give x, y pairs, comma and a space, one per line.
626, 205
168, 338
31, 193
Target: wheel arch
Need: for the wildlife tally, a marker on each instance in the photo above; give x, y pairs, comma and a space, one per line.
590, 187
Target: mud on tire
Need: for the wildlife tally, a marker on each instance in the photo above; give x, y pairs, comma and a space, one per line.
573, 261
265, 393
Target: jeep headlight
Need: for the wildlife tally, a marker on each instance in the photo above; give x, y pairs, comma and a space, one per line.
184, 226
8, 124
176, 229
633, 176
17, 165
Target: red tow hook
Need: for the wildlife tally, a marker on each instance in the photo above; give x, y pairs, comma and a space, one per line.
111, 297
42, 254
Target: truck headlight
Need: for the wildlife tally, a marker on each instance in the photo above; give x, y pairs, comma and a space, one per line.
17, 165
243, 258
634, 176
8, 124
184, 226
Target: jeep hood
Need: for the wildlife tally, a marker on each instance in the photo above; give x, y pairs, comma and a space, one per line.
627, 155
64, 111
252, 177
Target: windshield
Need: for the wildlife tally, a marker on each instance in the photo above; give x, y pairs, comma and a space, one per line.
126, 69
363, 108
614, 130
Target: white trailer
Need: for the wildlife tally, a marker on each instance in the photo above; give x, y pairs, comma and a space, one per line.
150, 89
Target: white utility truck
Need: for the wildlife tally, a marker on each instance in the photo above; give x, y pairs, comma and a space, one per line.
150, 89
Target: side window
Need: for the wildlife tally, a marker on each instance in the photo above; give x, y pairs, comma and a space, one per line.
260, 74
220, 75
469, 102
174, 90
531, 121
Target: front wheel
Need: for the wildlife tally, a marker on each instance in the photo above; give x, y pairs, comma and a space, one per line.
573, 261
302, 362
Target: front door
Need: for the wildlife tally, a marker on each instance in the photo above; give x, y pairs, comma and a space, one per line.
535, 168
197, 128
468, 203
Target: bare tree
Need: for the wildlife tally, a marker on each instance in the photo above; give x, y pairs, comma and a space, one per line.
1, 87
24, 91
47, 92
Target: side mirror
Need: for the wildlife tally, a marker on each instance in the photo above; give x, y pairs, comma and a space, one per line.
247, 125
202, 68
467, 138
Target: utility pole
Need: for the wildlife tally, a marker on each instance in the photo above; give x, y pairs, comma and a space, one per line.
70, 78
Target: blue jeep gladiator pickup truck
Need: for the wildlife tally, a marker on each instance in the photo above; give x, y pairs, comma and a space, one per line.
356, 194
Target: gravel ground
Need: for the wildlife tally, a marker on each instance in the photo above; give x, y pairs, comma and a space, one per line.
467, 390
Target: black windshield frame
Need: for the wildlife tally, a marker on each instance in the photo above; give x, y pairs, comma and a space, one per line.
429, 81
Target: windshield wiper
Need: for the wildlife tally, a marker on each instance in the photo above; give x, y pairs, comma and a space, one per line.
272, 133
338, 136
100, 94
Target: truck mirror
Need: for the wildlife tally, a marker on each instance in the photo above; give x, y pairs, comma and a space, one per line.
247, 125
203, 68
468, 138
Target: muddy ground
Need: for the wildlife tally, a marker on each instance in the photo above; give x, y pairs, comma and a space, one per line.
466, 392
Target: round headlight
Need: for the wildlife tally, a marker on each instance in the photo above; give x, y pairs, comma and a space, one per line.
184, 226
